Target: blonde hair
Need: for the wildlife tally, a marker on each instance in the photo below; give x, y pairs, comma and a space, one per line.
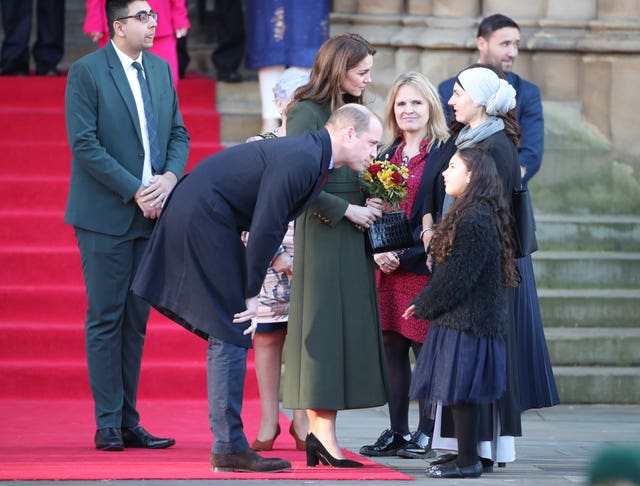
437, 130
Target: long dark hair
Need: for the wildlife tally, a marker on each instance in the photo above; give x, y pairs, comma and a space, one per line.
485, 186
511, 125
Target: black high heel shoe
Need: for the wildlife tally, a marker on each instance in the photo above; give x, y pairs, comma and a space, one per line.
317, 452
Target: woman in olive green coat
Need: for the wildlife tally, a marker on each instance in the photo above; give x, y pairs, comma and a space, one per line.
333, 351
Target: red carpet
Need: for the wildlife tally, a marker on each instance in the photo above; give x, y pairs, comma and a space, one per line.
45, 402
53, 441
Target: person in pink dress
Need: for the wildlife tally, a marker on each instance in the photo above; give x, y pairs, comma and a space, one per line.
173, 23
416, 132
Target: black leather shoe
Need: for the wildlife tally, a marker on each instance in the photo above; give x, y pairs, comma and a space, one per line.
487, 465
108, 439
229, 77
247, 461
452, 470
387, 444
137, 436
443, 458
7, 71
47, 71
417, 448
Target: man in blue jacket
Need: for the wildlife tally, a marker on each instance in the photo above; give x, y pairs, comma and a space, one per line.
498, 43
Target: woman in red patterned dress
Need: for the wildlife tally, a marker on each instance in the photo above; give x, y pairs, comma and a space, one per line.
416, 132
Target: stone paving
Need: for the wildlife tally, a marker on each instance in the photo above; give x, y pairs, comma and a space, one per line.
555, 449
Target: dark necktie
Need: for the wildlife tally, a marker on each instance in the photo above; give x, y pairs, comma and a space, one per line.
154, 148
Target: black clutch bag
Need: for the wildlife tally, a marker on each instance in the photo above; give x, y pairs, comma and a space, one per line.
390, 232
524, 223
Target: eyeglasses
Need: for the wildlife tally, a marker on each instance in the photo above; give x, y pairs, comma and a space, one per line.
142, 16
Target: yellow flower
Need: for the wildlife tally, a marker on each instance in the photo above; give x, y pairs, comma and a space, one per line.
386, 181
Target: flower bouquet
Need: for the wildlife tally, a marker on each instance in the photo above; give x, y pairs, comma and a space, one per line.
388, 182
385, 180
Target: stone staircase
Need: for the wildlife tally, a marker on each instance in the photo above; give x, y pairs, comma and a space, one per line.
588, 276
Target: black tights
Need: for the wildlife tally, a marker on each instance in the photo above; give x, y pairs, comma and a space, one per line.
396, 348
466, 422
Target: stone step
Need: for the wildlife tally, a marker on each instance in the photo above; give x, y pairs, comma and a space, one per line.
240, 112
594, 347
587, 308
588, 233
590, 384
584, 270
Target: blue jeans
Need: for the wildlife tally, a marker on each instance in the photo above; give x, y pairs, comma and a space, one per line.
226, 368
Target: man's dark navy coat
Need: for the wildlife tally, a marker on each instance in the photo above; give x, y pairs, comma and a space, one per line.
196, 269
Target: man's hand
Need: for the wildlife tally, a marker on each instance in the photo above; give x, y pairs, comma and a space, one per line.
159, 188
147, 210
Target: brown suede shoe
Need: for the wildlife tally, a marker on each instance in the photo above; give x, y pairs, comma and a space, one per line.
247, 461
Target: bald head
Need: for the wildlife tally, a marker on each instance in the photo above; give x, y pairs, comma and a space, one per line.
352, 115
355, 134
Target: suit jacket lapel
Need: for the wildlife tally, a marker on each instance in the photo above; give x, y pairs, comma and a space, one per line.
122, 83
151, 73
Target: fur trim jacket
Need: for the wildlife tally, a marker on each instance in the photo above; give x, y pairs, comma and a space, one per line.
465, 291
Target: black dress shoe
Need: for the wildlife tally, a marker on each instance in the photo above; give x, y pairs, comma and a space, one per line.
417, 447
443, 458
487, 465
452, 470
108, 439
388, 444
137, 436
14, 71
247, 461
42, 71
229, 77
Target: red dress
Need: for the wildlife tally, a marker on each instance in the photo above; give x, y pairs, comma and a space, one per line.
396, 290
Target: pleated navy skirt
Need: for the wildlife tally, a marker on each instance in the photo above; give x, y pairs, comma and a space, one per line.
537, 384
455, 367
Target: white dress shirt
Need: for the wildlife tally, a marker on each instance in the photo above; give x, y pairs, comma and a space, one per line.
132, 77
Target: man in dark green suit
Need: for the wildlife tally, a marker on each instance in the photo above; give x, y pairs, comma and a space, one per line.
129, 148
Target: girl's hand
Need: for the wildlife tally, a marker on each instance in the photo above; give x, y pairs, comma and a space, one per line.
410, 312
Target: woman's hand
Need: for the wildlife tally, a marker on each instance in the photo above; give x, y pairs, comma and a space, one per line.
248, 314
180, 33
375, 203
95, 36
387, 262
362, 215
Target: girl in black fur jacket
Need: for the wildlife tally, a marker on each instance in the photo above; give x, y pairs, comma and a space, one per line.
462, 362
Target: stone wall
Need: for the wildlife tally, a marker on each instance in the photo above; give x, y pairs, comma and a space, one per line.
584, 55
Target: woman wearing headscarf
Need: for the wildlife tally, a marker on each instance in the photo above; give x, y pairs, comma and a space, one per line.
483, 103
